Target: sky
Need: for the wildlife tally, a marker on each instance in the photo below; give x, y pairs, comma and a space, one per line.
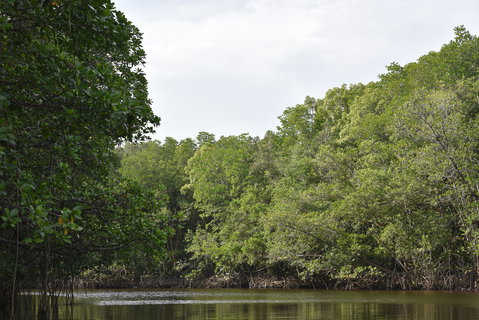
233, 66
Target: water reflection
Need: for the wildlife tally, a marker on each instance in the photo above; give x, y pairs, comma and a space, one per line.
273, 304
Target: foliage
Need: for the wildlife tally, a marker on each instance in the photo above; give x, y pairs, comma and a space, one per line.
374, 185
71, 89
160, 169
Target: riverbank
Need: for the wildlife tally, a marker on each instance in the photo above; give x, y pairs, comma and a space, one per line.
211, 282
465, 283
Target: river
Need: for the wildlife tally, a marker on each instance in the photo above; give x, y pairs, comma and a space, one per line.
249, 304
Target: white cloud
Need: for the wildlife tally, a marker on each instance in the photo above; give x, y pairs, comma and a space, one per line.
232, 66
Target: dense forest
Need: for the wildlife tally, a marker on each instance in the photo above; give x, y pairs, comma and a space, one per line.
372, 186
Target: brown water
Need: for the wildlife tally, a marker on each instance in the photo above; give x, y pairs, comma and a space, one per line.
272, 304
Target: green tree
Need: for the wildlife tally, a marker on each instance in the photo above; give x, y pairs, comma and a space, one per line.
228, 238
71, 89
160, 169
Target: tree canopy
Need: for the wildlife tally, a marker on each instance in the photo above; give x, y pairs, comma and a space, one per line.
71, 90
372, 186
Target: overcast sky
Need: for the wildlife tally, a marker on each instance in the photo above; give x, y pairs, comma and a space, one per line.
232, 66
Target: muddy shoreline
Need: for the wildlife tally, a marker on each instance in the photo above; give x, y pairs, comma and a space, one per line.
180, 283
257, 282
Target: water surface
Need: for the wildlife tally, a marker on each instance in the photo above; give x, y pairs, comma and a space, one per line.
251, 304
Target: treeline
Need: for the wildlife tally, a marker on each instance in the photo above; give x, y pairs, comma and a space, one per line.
373, 186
